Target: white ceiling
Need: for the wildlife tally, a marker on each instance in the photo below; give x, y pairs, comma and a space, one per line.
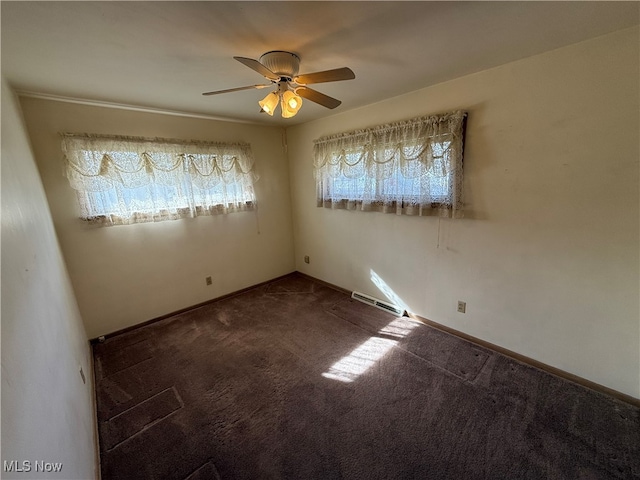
163, 55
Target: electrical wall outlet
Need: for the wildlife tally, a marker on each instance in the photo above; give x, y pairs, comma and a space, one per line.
462, 306
208, 280
306, 259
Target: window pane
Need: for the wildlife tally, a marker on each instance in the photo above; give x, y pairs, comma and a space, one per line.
427, 174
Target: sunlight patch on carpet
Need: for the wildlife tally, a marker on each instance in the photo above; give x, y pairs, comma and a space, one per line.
399, 328
348, 368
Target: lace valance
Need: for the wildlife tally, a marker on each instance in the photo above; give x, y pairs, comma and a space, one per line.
96, 162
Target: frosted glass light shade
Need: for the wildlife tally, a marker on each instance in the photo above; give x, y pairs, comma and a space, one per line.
290, 104
269, 103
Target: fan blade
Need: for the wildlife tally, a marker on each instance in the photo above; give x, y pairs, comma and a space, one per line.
317, 97
325, 76
258, 67
229, 90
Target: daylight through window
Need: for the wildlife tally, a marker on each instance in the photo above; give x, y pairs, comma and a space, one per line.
412, 167
123, 180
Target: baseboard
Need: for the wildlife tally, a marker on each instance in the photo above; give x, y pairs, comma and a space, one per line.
94, 398
531, 362
187, 309
504, 351
509, 353
326, 284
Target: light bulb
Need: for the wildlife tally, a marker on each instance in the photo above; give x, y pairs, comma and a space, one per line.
291, 103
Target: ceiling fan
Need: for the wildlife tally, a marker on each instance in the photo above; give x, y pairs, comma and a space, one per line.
281, 69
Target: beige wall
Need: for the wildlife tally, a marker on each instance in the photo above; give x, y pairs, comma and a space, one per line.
125, 275
548, 256
47, 411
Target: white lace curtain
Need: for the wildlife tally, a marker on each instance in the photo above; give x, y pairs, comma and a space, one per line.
123, 180
412, 167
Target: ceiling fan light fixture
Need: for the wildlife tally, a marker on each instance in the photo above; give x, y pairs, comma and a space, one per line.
290, 104
281, 69
269, 103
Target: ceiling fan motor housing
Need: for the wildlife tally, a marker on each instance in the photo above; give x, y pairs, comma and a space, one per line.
283, 64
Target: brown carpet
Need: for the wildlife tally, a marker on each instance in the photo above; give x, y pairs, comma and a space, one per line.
294, 380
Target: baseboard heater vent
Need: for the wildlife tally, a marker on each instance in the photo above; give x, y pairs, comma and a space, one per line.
386, 306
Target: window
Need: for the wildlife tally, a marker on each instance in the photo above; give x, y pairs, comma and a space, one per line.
123, 180
412, 167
